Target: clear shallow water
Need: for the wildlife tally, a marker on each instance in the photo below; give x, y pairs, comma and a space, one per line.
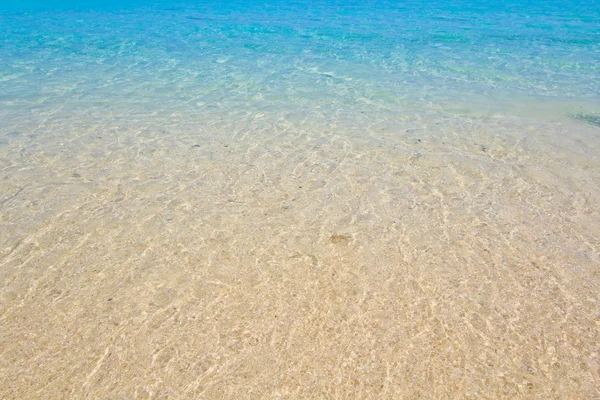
362, 56
299, 199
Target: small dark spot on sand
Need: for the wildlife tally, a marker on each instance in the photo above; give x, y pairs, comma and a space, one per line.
196, 145
588, 118
109, 299
226, 145
339, 239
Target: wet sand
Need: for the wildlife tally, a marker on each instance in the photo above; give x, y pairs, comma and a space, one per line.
285, 256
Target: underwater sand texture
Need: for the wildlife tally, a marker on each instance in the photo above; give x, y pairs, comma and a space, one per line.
290, 256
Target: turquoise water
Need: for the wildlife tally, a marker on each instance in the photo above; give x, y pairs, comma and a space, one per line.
350, 55
300, 199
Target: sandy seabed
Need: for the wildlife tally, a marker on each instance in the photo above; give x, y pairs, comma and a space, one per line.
279, 256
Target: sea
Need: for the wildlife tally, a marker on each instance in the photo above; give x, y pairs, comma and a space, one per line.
298, 199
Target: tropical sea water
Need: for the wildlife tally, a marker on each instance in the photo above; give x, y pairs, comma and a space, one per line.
300, 199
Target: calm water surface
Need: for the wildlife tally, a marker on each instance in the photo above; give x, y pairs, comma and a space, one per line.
300, 199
